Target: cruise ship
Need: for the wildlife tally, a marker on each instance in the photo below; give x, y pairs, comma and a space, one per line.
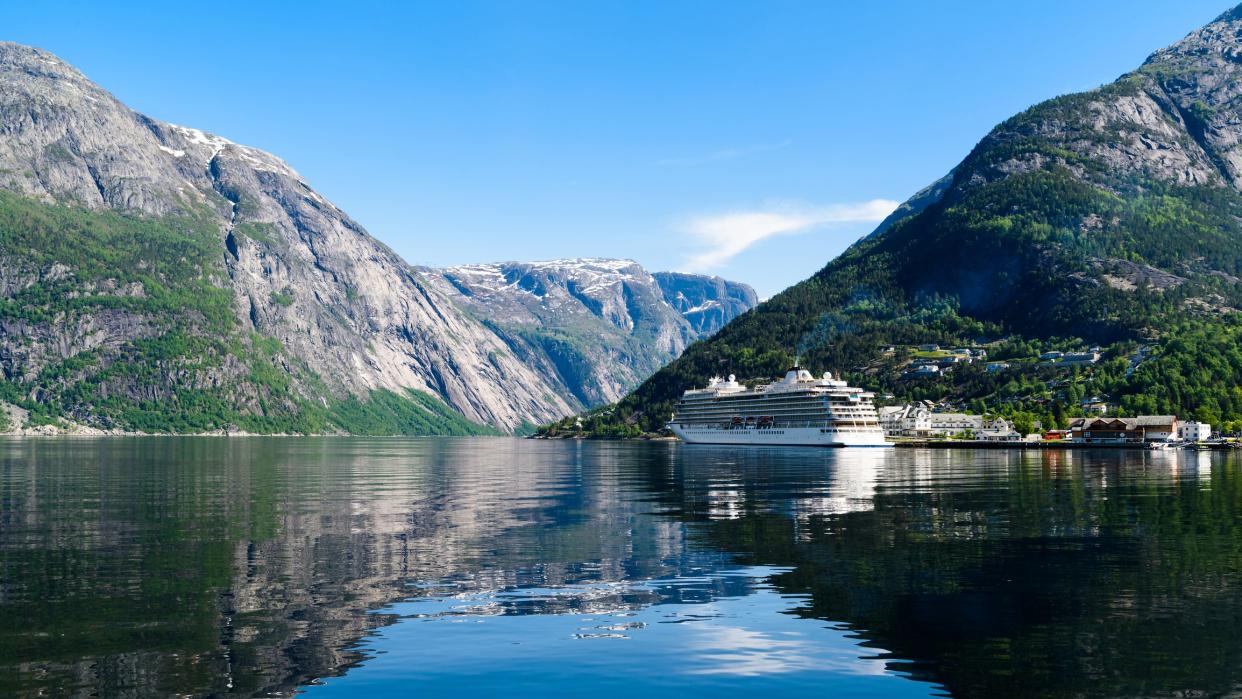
799, 410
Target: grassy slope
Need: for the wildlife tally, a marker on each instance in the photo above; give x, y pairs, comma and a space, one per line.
193, 368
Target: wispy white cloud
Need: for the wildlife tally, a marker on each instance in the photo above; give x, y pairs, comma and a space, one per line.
726, 154
723, 236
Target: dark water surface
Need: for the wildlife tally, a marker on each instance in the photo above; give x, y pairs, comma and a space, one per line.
500, 567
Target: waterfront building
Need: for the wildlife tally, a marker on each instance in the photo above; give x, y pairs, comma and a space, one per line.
918, 420
891, 418
998, 430
1194, 431
1124, 430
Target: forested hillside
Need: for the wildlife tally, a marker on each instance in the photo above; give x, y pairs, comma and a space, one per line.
1108, 218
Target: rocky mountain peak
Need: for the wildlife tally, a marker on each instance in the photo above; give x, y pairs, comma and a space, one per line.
1111, 216
344, 315
319, 316
598, 325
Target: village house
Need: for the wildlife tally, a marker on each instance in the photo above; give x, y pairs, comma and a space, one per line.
1124, 430
1080, 358
891, 417
919, 421
994, 367
1194, 431
1097, 405
923, 370
998, 430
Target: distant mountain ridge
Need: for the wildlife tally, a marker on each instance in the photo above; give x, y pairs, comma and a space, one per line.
158, 277
598, 326
707, 303
1107, 217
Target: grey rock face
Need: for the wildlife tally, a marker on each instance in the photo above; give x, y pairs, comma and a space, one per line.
300, 270
707, 303
1172, 120
593, 327
505, 345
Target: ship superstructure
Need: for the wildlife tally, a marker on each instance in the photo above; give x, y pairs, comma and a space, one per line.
800, 409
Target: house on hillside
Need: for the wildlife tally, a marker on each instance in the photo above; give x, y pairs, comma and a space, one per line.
923, 370
1080, 358
1124, 430
1097, 406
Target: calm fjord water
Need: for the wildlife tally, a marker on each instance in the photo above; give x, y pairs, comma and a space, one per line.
394, 567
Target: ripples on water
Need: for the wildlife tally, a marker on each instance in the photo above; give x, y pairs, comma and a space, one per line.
152, 567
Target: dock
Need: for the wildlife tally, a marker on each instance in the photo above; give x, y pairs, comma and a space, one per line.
1054, 445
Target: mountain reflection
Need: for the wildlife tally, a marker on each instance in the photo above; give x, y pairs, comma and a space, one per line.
255, 566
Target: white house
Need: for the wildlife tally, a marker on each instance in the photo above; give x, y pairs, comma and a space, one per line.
891, 417
947, 424
1194, 431
919, 421
924, 370
998, 430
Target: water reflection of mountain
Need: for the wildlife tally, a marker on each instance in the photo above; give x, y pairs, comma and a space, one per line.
1053, 574
237, 567
240, 567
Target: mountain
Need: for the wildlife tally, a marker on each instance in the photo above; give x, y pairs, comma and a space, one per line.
594, 328
707, 303
158, 277
1110, 217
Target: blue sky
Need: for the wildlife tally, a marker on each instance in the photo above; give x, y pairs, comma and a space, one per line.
682, 135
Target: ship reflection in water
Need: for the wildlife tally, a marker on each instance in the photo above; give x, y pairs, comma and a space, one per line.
355, 567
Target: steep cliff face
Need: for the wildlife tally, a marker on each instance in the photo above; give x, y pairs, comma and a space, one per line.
155, 276
1110, 216
594, 328
289, 304
707, 303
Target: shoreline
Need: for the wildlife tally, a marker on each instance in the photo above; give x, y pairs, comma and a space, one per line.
1053, 446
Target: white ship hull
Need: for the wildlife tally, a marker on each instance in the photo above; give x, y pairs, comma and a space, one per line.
779, 436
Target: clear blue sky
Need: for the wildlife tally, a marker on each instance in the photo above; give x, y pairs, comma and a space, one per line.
676, 134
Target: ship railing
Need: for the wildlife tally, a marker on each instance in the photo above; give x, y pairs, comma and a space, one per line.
729, 425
